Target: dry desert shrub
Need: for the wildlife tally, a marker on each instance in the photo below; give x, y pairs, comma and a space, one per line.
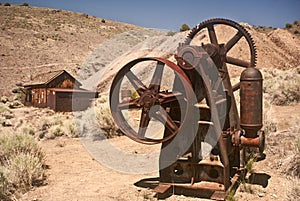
294, 191
28, 129
293, 167
282, 87
56, 131
270, 125
22, 164
3, 108
291, 161
106, 121
73, 130
51, 127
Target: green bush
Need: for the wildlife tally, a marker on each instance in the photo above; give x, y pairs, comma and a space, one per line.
184, 27
288, 25
134, 94
171, 33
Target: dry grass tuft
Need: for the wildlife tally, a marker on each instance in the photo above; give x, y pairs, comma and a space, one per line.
270, 126
22, 164
106, 121
282, 87
294, 191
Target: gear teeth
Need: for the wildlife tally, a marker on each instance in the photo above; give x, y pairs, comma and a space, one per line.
231, 23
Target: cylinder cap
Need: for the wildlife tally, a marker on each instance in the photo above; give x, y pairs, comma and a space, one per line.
251, 74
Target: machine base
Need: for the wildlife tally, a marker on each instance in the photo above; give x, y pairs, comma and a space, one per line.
211, 190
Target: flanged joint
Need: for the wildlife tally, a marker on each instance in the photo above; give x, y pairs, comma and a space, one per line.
258, 142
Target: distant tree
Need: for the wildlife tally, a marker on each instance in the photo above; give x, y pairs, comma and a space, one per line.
184, 27
288, 26
7, 4
103, 20
25, 4
171, 33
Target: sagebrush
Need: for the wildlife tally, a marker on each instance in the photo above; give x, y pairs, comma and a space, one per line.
22, 164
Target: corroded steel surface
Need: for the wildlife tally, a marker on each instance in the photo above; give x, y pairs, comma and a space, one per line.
203, 84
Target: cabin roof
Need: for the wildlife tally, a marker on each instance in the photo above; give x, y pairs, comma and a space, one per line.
72, 90
46, 78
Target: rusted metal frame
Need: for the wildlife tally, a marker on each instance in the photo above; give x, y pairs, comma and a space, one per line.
217, 126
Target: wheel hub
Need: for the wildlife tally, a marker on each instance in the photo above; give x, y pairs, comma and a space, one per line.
148, 99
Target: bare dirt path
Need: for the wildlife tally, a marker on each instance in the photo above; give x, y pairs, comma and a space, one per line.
73, 174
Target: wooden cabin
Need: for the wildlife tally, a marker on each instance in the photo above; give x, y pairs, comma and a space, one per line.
59, 91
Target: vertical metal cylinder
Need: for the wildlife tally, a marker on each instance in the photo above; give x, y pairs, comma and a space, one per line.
251, 101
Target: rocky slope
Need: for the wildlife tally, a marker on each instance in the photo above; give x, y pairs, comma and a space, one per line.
35, 40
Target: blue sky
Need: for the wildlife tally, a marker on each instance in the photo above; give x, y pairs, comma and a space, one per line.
171, 15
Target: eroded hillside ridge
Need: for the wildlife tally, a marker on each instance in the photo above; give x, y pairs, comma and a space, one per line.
35, 40
278, 49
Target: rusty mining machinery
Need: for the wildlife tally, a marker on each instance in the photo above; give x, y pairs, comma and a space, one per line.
205, 139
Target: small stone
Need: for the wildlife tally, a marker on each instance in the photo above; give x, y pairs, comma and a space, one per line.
7, 115
261, 194
4, 99
7, 123
274, 195
15, 104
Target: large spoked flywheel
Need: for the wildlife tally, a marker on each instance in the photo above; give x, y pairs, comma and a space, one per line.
148, 100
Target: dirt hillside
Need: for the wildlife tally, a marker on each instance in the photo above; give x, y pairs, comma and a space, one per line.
35, 40
277, 49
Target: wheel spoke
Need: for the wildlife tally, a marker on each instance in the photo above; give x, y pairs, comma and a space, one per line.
136, 82
212, 34
217, 84
156, 78
162, 116
144, 122
132, 104
237, 62
169, 97
236, 86
233, 41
